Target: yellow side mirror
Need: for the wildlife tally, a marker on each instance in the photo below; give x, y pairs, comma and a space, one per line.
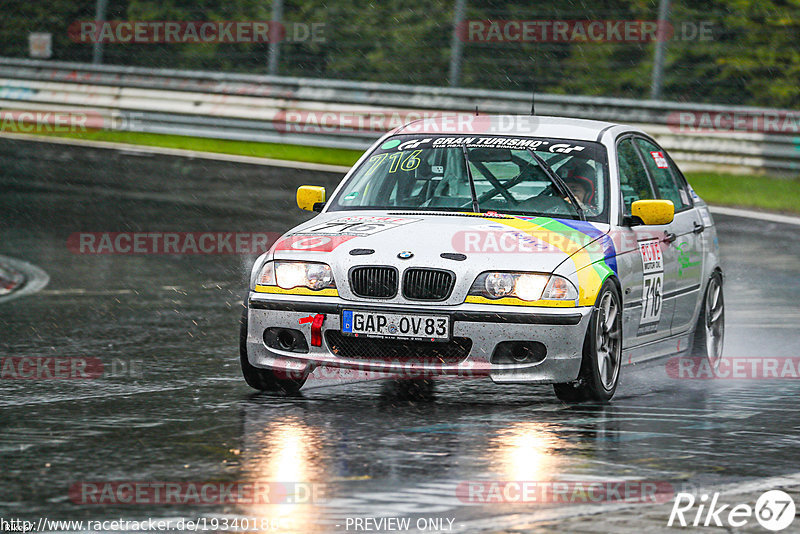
653, 212
308, 196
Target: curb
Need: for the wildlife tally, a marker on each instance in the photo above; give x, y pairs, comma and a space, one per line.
20, 278
10, 280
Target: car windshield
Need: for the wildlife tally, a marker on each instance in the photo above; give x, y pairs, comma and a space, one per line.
501, 174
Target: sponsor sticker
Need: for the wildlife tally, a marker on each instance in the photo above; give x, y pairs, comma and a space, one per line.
312, 243
493, 142
565, 148
661, 161
357, 226
391, 143
652, 284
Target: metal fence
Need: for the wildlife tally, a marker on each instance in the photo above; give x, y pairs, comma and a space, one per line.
288, 110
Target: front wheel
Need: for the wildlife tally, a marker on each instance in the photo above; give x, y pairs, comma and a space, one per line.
710, 331
263, 379
602, 352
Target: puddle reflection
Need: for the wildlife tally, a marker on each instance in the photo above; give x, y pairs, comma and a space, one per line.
289, 456
525, 451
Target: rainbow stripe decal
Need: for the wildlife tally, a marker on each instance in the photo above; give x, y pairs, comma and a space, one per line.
591, 250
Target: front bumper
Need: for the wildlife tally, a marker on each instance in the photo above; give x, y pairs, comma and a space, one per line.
561, 330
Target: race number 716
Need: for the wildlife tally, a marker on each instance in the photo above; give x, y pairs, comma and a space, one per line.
651, 298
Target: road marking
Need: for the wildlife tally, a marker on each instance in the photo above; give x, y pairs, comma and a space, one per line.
759, 215
88, 292
766, 325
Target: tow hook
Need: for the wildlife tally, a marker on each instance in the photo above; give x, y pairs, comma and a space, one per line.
316, 327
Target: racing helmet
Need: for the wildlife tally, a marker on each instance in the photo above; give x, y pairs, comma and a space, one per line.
581, 172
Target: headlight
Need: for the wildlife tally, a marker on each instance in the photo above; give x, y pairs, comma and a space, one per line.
499, 284
559, 288
524, 286
291, 274
267, 275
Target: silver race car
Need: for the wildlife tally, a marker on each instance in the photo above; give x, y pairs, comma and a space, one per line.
522, 249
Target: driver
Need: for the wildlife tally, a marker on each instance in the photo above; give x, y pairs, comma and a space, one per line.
580, 183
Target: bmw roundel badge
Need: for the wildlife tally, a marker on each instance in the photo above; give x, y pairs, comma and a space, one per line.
405, 255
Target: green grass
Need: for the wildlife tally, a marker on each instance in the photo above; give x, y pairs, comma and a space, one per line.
331, 156
760, 192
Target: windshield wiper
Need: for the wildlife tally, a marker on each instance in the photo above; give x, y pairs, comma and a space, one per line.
475, 206
559, 183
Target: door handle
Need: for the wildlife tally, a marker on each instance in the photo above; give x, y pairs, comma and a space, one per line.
669, 238
698, 228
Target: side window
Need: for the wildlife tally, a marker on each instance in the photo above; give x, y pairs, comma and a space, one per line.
633, 180
666, 182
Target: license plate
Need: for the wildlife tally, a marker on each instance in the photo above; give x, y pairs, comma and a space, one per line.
396, 325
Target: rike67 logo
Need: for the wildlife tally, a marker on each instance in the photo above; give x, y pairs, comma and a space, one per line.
774, 510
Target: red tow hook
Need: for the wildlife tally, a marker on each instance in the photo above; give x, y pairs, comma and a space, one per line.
316, 327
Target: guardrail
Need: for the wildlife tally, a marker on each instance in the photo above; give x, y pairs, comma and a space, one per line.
280, 109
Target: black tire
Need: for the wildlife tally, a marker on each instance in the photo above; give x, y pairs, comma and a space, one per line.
709, 333
263, 379
602, 347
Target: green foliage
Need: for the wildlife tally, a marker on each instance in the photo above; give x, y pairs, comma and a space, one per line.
330, 156
751, 55
763, 192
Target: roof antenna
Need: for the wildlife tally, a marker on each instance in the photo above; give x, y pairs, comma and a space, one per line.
476, 111
533, 98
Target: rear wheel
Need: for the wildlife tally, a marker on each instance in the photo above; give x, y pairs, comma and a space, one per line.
602, 352
263, 379
710, 331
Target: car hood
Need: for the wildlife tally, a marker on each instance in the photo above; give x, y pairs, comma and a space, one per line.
463, 243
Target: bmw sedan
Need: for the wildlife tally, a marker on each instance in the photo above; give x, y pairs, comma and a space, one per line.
524, 250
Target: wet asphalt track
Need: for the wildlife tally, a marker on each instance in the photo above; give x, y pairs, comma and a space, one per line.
185, 414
